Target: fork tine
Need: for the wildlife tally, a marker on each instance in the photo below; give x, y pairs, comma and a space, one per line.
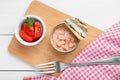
45, 64
47, 69
46, 72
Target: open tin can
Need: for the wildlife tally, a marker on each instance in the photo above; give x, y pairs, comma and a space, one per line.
66, 36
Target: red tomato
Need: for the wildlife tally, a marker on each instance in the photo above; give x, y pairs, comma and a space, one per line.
25, 37
38, 29
30, 31
23, 27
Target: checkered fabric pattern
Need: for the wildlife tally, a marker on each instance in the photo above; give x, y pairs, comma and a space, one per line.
105, 45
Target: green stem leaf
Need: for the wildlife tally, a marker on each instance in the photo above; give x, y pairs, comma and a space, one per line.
29, 21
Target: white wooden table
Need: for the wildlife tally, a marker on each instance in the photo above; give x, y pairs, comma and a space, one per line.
99, 13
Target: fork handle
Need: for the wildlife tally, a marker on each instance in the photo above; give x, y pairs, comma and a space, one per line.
110, 60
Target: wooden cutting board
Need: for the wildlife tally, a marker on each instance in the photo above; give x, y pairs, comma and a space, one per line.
44, 52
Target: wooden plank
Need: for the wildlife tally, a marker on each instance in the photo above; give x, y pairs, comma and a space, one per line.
44, 52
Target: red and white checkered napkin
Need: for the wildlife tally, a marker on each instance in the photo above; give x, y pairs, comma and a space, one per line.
107, 44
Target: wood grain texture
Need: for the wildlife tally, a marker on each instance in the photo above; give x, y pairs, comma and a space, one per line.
44, 52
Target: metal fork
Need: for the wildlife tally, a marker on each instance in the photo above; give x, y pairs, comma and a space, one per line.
57, 66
